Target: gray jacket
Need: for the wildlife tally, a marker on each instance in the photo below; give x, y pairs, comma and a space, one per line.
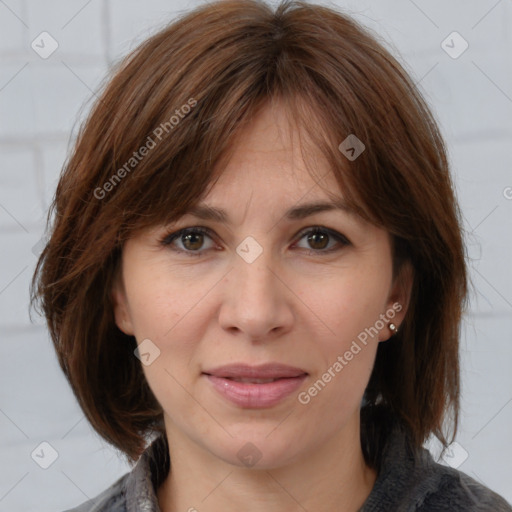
406, 482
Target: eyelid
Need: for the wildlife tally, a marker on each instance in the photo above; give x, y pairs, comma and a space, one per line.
332, 232
168, 238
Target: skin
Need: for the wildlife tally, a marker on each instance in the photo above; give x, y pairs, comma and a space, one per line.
294, 304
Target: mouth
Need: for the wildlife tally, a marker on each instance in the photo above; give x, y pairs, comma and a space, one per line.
255, 386
260, 374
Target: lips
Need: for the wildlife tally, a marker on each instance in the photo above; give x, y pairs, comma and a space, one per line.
255, 386
246, 373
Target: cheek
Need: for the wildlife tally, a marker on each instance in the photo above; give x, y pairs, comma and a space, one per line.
158, 302
174, 313
348, 303
345, 352
344, 309
171, 319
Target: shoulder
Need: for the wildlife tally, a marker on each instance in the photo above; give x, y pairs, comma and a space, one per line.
446, 489
426, 486
136, 490
409, 480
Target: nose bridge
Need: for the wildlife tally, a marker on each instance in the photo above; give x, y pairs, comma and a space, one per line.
255, 300
254, 278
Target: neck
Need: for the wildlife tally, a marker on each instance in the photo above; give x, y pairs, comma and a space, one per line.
333, 476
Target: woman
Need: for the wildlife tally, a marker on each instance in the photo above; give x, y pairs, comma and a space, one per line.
255, 275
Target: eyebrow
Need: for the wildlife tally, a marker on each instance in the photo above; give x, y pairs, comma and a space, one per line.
302, 211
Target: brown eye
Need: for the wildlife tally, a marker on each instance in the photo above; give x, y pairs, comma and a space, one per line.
318, 240
192, 241
322, 240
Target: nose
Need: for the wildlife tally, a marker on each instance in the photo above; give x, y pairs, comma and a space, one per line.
256, 302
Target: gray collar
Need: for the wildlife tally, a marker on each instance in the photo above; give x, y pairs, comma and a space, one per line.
148, 474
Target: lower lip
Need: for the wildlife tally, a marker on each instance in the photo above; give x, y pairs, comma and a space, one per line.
257, 396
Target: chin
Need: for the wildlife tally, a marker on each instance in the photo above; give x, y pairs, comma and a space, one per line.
263, 448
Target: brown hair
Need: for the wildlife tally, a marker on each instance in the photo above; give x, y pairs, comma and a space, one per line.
183, 95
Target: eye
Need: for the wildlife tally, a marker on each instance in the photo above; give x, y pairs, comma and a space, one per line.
188, 240
323, 240
191, 241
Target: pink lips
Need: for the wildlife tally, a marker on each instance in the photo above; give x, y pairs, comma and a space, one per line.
255, 386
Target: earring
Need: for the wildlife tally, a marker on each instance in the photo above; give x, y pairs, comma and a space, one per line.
393, 328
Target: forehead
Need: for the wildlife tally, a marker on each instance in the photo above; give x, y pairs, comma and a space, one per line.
268, 159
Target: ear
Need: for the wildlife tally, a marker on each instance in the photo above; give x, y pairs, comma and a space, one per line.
120, 304
398, 300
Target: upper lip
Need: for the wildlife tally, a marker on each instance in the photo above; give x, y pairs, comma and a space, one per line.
263, 371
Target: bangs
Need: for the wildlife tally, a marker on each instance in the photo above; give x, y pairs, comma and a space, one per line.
182, 165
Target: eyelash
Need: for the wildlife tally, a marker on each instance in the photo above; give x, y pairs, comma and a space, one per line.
169, 238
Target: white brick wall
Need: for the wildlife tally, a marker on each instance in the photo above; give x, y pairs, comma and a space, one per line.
40, 101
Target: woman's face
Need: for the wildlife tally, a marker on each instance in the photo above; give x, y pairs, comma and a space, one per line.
260, 287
